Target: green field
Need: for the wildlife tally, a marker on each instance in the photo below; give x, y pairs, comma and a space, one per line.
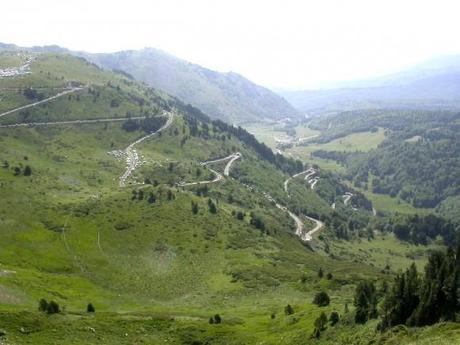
361, 142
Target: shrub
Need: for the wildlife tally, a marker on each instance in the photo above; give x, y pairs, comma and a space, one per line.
90, 308
321, 299
194, 207
52, 308
27, 171
288, 310
321, 321
42, 305
320, 273
212, 207
334, 318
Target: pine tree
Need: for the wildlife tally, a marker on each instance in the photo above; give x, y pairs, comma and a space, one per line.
365, 302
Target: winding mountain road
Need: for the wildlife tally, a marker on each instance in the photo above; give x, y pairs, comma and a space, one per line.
309, 172
69, 122
346, 198
219, 177
300, 227
132, 158
60, 94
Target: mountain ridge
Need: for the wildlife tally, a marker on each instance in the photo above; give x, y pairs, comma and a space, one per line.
227, 96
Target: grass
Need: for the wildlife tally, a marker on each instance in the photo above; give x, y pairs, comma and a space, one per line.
11, 60
155, 271
266, 133
386, 203
384, 249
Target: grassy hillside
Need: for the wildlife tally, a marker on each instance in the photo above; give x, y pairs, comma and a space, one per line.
226, 96
154, 258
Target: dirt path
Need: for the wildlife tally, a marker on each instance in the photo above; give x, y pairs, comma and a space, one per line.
132, 158
60, 94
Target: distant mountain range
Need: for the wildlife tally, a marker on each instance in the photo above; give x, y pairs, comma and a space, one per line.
226, 96
434, 84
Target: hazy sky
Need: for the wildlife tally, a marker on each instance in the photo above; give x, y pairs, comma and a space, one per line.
285, 43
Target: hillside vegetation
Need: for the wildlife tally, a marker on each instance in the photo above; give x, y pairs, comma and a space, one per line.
162, 259
226, 96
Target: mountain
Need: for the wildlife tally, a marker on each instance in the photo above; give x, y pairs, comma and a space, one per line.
433, 84
226, 96
122, 196
128, 216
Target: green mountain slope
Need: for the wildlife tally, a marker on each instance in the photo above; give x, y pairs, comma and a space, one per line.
226, 96
157, 258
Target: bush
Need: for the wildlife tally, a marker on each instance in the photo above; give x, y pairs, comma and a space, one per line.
320, 322
52, 308
90, 308
42, 305
27, 171
288, 310
334, 318
320, 273
212, 207
194, 207
321, 299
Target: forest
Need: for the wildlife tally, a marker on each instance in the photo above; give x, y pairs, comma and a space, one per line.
419, 160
